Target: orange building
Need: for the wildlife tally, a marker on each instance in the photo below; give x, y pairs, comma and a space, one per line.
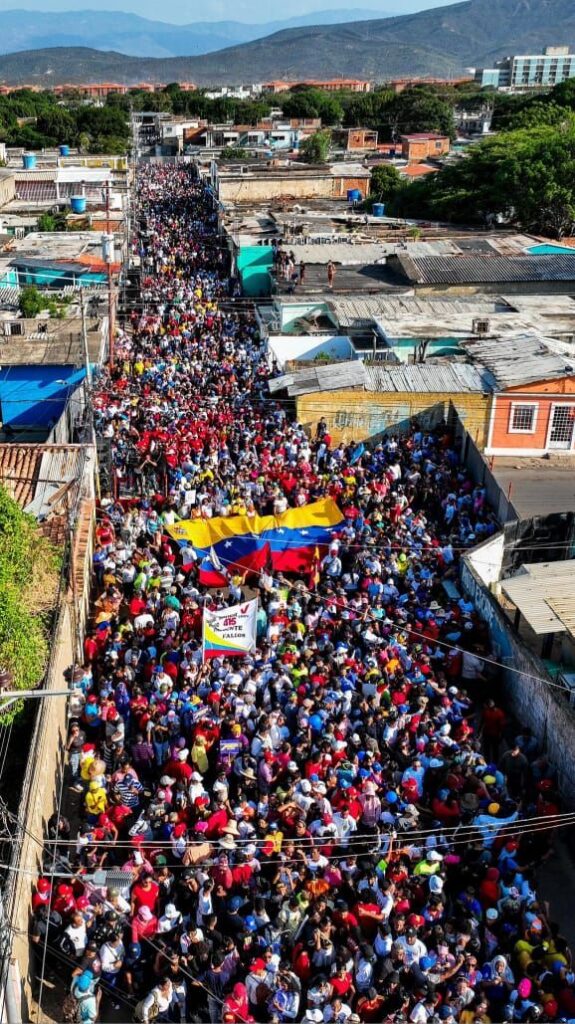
329, 85
361, 139
533, 402
413, 171
423, 145
400, 84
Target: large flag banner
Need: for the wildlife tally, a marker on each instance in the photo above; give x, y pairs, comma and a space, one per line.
248, 543
230, 632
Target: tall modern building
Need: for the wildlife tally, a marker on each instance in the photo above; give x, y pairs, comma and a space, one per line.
533, 71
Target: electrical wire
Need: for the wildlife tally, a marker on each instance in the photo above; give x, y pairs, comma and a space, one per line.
518, 826
407, 628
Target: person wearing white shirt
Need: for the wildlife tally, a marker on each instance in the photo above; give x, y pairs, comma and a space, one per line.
345, 826
76, 931
157, 1002
414, 947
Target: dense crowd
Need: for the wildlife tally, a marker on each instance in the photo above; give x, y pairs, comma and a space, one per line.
342, 826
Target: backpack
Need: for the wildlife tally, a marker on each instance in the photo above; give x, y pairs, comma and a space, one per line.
152, 1012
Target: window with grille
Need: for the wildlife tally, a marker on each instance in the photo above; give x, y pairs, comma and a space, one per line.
523, 418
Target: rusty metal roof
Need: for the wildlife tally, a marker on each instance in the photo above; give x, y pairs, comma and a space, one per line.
330, 377
544, 593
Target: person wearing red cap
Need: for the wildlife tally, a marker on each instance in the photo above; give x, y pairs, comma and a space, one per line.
43, 895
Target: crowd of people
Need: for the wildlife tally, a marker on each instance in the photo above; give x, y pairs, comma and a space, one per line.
343, 826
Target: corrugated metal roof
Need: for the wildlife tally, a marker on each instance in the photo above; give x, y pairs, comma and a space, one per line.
330, 377
44, 480
486, 269
564, 608
428, 378
519, 359
363, 311
540, 590
19, 465
58, 481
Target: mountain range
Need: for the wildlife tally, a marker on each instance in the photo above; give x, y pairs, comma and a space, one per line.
141, 37
442, 41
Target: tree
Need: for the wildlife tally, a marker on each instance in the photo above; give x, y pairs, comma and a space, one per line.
523, 177
57, 123
315, 149
386, 182
111, 144
419, 110
28, 567
47, 222
311, 102
30, 302
234, 153
103, 121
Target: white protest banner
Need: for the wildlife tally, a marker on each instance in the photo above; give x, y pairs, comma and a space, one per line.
230, 632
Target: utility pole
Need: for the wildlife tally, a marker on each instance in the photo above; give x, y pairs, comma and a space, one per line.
87, 363
111, 326
88, 393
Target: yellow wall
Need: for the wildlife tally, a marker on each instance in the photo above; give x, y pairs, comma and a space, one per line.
358, 415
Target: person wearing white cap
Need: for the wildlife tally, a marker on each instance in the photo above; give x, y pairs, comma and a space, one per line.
196, 787
170, 919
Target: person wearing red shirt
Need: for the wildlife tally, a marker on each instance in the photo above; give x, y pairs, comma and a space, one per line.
342, 982
494, 720
368, 914
370, 1007
145, 893
178, 767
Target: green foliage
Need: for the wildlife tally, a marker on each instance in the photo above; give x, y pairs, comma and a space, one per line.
51, 222
315, 149
25, 558
311, 102
58, 124
386, 183
192, 104
234, 153
524, 177
420, 109
31, 301
93, 129
102, 121
111, 144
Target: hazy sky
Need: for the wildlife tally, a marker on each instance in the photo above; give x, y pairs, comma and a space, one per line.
184, 11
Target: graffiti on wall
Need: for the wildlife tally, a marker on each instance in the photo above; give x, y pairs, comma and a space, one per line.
379, 420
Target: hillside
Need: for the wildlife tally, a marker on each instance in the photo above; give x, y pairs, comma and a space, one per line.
141, 37
442, 41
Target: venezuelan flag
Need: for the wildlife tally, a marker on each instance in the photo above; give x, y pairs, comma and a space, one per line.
248, 543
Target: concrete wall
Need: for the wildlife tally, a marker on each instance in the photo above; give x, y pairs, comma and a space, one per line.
487, 559
528, 688
246, 188
243, 188
354, 415
302, 347
254, 263
291, 312
38, 802
7, 188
